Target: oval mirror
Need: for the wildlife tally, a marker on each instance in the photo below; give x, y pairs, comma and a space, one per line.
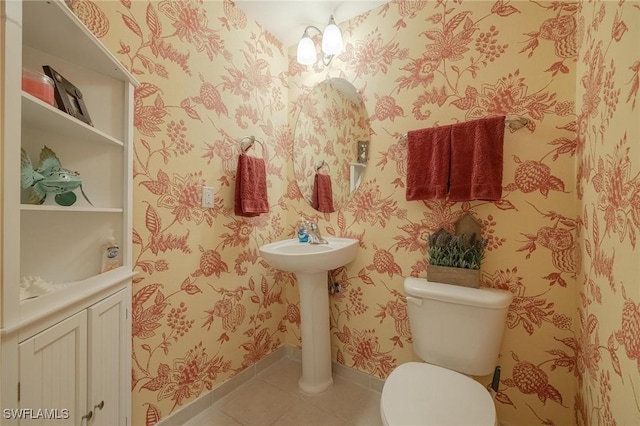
332, 136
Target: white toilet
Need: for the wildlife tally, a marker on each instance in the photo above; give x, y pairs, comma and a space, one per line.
457, 331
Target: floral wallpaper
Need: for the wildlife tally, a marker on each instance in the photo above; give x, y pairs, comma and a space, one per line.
205, 305
562, 238
608, 179
425, 63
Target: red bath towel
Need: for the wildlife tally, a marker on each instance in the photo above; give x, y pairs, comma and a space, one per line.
428, 156
476, 160
251, 187
322, 198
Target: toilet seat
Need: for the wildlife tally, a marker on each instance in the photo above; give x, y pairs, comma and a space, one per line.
418, 393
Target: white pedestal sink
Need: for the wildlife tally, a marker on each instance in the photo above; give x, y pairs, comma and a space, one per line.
310, 263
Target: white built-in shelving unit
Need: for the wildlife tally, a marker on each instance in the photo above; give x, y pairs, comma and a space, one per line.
87, 314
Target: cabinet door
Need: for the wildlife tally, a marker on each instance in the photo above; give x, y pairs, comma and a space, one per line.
109, 360
53, 374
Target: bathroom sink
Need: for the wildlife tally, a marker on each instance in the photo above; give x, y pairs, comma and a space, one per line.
305, 258
311, 263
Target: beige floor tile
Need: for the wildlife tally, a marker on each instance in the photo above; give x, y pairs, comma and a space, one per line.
212, 417
256, 403
284, 375
273, 399
354, 403
303, 413
368, 413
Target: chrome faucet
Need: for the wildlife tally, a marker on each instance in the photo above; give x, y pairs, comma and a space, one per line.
314, 233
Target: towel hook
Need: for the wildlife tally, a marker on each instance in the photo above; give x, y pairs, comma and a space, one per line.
251, 140
320, 164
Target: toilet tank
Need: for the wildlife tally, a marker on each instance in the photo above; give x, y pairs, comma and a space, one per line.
459, 328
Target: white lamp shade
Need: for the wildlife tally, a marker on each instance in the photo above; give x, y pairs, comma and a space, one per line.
306, 51
332, 40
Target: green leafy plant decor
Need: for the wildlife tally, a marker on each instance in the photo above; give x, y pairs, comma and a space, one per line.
456, 251
455, 259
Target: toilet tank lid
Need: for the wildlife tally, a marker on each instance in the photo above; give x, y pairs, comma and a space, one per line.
492, 298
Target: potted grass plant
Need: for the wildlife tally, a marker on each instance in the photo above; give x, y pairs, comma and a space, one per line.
455, 259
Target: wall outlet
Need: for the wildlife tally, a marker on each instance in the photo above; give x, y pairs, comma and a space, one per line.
208, 197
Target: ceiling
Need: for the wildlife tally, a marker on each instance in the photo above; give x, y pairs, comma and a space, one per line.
287, 19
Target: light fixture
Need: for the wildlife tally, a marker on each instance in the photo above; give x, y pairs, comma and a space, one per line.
331, 44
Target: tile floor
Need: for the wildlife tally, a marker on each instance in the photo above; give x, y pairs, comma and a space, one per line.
272, 398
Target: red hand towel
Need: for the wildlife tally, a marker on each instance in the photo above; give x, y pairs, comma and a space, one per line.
251, 187
428, 156
322, 198
476, 160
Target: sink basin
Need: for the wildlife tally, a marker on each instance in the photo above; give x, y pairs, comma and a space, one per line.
310, 263
294, 256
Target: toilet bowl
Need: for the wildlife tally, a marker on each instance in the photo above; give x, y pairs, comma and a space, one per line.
457, 331
417, 393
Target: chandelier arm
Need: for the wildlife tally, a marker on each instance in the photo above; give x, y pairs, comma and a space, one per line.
326, 59
312, 27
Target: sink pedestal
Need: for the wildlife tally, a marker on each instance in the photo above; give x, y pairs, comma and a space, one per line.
316, 339
311, 263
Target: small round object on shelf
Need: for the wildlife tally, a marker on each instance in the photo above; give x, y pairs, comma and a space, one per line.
38, 85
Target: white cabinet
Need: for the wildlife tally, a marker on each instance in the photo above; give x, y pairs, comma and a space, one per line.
53, 373
63, 245
109, 360
75, 369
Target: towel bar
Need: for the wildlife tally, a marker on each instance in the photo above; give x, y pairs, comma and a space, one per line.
516, 122
513, 123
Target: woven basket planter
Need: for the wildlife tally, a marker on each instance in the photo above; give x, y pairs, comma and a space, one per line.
456, 276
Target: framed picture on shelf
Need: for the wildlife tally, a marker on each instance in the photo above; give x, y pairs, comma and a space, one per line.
68, 97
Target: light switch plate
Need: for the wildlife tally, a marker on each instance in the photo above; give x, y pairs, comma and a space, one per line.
208, 197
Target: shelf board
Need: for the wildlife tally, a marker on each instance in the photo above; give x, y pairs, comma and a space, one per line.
66, 295
50, 26
40, 115
49, 208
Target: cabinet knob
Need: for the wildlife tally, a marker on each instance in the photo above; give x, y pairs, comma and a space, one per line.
100, 406
87, 417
